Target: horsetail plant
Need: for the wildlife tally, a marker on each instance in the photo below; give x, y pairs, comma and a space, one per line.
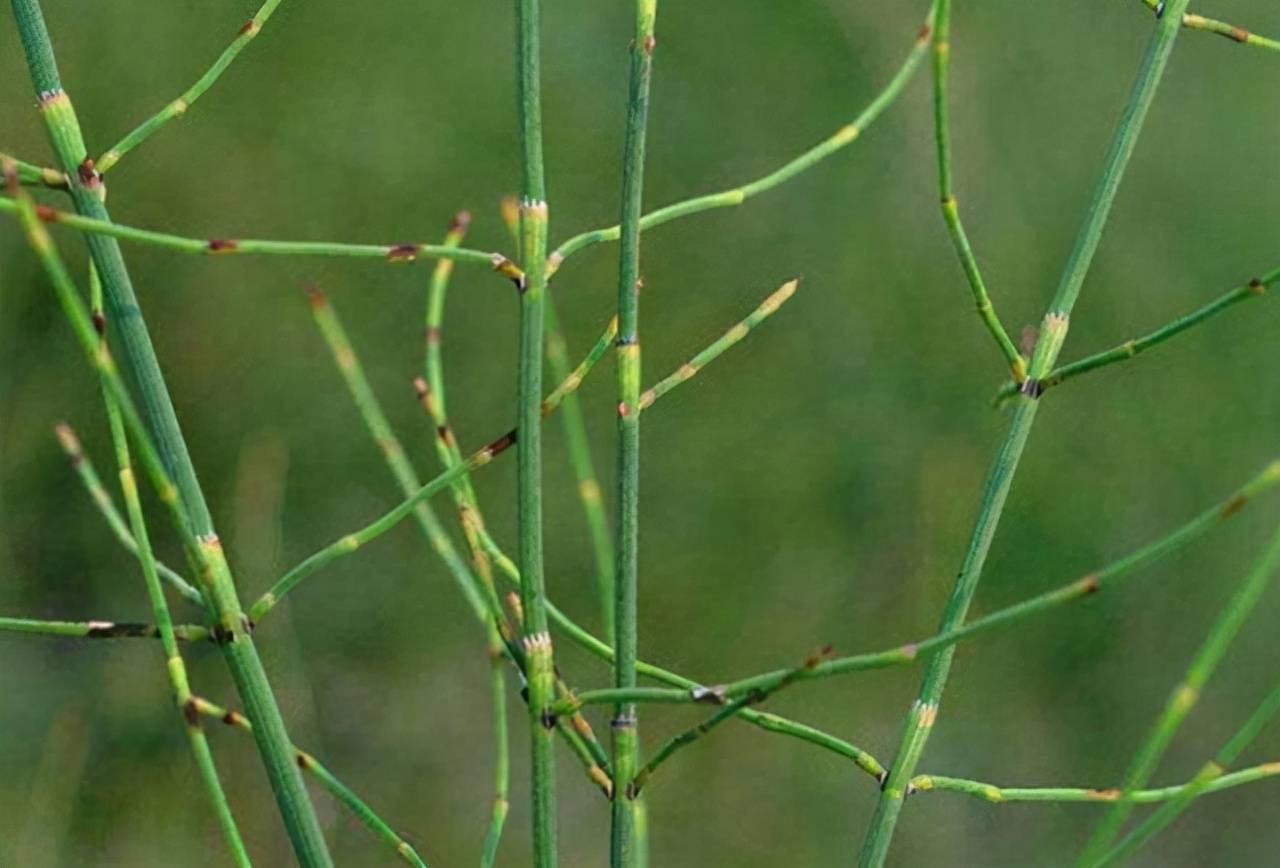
520, 620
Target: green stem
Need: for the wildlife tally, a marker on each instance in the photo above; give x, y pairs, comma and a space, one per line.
99, 629
900, 655
174, 664
1184, 697
30, 174
1254, 288
102, 499
623, 841
195, 524
838, 140
540, 671
1222, 28
740, 330
950, 207
584, 471
996, 795
96, 223
924, 712
336, 788
1211, 777
179, 106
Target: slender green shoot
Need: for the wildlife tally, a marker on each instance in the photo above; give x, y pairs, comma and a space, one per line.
178, 107
684, 739
335, 787
1184, 696
394, 253
1254, 288
1222, 28
31, 175
102, 499
900, 655
735, 334
998, 795
624, 842
838, 140
1211, 777
100, 629
174, 664
950, 206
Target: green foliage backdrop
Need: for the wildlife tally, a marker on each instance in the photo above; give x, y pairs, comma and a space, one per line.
819, 489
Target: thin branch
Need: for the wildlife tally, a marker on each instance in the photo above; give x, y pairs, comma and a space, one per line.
1085, 586
737, 195
395, 253
336, 788
1254, 288
1222, 28
32, 175
731, 337
179, 106
1184, 697
100, 629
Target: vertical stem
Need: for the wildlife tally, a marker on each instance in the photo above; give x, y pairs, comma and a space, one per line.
122, 306
540, 670
924, 712
174, 663
624, 843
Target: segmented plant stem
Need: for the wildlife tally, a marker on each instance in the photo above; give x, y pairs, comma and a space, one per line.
174, 664
1254, 288
1211, 777
737, 195
327, 779
626, 738
1222, 28
179, 106
1184, 697
1175, 794
950, 206
83, 466
99, 629
122, 307
736, 333
36, 176
924, 712
97, 224
540, 671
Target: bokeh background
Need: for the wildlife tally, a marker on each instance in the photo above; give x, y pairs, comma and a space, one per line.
815, 486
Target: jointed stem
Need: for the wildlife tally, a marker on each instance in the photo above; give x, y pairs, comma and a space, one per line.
99, 226
37, 176
1254, 288
1222, 28
102, 499
1184, 697
900, 655
1179, 793
924, 712
950, 207
179, 106
336, 788
192, 517
737, 195
1211, 777
176, 667
740, 330
623, 842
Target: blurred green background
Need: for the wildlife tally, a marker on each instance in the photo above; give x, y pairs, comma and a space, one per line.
815, 486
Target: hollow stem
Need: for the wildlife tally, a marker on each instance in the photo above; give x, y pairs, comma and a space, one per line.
1222, 28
